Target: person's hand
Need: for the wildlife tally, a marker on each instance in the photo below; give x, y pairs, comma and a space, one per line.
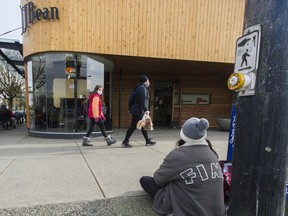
147, 112
102, 117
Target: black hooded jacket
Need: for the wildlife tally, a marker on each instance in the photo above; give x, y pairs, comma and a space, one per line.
141, 101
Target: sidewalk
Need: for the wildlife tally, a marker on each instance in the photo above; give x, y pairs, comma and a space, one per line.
61, 177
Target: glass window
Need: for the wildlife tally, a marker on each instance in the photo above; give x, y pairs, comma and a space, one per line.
58, 98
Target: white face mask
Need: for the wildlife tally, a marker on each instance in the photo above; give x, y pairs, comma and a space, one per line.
147, 83
99, 92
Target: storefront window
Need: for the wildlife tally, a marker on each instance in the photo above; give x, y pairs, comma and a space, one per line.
58, 98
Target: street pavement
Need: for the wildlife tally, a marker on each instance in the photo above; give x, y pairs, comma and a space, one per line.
40, 176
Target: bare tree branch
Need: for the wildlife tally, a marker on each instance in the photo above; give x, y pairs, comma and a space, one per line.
10, 85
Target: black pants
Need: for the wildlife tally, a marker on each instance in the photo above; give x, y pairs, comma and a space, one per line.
149, 186
100, 124
133, 126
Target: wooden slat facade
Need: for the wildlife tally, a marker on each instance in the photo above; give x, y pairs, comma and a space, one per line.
201, 30
186, 41
193, 78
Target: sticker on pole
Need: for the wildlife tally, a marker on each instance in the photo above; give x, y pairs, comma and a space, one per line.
247, 50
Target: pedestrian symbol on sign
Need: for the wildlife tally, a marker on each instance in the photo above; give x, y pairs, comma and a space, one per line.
247, 52
244, 58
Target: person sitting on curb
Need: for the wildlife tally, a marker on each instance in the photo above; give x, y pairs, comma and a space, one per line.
190, 179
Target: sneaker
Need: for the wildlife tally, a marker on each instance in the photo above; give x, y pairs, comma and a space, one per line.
149, 142
125, 144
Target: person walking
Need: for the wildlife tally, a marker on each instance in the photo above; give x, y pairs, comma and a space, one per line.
138, 106
96, 116
190, 179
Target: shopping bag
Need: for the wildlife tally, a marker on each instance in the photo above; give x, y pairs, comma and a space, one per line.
141, 123
145, 122
148, 123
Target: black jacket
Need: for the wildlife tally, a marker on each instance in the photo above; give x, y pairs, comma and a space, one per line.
141, 101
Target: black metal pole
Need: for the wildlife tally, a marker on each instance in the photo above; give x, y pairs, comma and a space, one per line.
75, 92
119, 98
261, 138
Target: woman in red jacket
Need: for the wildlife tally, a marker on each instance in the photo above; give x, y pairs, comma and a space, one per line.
96, 116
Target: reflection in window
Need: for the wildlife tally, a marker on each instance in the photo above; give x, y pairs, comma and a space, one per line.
95, 74
30, 113
58, 100
39, 84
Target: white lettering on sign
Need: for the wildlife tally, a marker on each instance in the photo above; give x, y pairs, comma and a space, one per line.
231, 140
31, 14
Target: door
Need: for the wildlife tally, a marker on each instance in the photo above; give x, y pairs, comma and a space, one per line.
176, 105
162, 103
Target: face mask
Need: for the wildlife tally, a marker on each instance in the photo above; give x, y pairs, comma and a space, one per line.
99, 92
147, 84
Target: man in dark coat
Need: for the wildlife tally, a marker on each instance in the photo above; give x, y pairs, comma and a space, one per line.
139, 107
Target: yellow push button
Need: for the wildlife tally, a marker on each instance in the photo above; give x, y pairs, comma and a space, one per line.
236, 81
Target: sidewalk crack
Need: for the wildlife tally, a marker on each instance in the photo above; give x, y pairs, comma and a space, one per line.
7, 166
95, 178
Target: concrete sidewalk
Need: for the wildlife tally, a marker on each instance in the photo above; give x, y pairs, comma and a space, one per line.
61, 177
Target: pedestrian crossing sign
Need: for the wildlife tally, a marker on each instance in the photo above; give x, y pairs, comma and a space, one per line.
247, 50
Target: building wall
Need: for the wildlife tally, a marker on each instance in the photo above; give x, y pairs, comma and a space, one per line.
194, 78
201, 30
200, 34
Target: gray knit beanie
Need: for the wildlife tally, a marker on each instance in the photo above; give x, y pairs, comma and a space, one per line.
194, 129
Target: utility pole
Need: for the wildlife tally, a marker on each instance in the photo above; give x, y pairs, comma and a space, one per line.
261, 133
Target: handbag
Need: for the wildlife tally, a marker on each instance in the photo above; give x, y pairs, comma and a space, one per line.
227, 174
145, 122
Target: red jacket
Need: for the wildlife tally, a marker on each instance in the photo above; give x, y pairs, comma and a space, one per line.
95, 106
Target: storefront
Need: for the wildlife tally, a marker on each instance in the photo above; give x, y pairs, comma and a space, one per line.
58, 94
186, 48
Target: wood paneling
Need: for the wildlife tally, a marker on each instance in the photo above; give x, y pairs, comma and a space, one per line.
201, 30
166, 39
196, 78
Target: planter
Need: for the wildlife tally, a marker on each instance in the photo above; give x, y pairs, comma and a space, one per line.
224, 124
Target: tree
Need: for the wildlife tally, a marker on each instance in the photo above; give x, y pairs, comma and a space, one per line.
11, 86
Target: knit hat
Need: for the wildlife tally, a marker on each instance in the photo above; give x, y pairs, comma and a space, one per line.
142, 79
194, 129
